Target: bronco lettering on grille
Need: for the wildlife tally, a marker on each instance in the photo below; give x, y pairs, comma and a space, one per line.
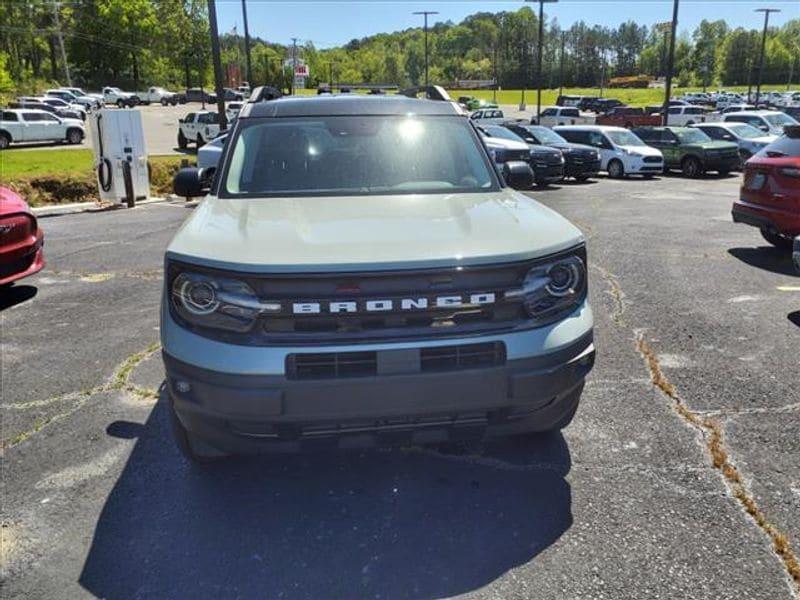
394, 304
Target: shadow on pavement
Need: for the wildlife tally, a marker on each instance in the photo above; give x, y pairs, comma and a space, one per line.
766, 257
794, 317
16, 294
393, 523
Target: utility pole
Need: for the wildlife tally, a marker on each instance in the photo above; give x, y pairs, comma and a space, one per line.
540, 44
247, 47
294, 64
766, 12
602, 69
561, 65
670, 61
215, 55
60, 34
425, 13
330, 75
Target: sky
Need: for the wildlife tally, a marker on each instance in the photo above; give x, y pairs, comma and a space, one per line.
334, 22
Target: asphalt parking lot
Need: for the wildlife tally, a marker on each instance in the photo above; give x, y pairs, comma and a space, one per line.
697, 330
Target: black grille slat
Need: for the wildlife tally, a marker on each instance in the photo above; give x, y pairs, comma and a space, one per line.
336, 365
652, 159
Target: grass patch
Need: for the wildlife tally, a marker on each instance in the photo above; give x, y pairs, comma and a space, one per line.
45, 177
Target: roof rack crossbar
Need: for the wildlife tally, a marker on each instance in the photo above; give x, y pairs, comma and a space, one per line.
432, 92
264, 93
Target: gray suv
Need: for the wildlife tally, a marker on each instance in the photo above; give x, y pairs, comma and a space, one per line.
358, 274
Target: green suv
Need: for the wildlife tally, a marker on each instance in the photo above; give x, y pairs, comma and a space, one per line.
473, 103
690, 150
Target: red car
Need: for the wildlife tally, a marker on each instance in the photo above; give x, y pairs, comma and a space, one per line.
21, 240
770, 194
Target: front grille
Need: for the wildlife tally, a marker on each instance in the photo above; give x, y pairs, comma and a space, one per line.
652, 159
288, 326
338, 365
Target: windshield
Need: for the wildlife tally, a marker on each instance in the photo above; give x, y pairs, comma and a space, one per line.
546, 136
780, 119
691, 136
502, 132
624, 138
357, 155
743, 130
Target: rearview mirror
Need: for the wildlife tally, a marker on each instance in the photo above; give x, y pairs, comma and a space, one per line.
518, 174
190, 183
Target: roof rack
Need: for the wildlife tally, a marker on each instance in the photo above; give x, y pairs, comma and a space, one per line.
264, 93
432, 92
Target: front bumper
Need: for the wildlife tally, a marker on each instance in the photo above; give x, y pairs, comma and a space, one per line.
546, 173
637, 166
21, 261
581, 168
534, 389
722, 164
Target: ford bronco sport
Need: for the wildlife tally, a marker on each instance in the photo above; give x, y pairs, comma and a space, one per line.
361, 274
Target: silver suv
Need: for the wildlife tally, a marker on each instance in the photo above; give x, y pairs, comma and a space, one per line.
359, 274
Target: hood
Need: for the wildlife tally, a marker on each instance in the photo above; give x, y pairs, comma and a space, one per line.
370, 232
764, 140
714, 145
643, 150
537, 150
567, 147
507, 144
11, 202
70, 121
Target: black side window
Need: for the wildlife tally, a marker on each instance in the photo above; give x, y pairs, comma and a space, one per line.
10, 116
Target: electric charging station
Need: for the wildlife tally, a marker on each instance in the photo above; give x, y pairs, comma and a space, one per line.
120, 156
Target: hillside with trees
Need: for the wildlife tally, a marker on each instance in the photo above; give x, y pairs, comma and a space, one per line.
135, 43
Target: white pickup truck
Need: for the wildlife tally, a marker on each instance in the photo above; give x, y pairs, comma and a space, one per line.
114, 95
562, 115
158, 95
200, 128
29, 125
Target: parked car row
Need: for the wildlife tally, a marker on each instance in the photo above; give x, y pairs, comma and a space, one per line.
33, 125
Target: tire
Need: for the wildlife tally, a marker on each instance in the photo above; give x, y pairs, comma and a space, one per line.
5, 140
780, 241
691, 167
182, 141
689, 123
648, 175
120, 103
724, 172
74, 136
615, 169
196, 451
199, 141
164, 102
582, 178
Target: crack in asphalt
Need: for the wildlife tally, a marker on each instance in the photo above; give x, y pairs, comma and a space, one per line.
117, 382
713, 435
616, 293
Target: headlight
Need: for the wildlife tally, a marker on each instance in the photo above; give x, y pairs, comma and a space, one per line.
552, 288
216, 302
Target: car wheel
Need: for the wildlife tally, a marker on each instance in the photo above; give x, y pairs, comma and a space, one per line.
689, 123
581, 178
196, 451
120, 103
783, 242
615, 169
74, 136
691, 167
724, 172
164, 102
182, 141
200, 141
5, 141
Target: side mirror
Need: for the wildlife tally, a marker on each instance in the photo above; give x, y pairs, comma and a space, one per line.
518, 175
190, 183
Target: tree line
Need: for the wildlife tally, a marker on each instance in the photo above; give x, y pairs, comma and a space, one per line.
137, 43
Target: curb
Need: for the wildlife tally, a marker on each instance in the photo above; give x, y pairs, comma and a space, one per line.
80, 207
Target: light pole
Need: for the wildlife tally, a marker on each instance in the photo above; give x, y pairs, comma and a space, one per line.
217, 58
540, 42
561, 65
670, 61
247, 46
425, 13
766, 12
